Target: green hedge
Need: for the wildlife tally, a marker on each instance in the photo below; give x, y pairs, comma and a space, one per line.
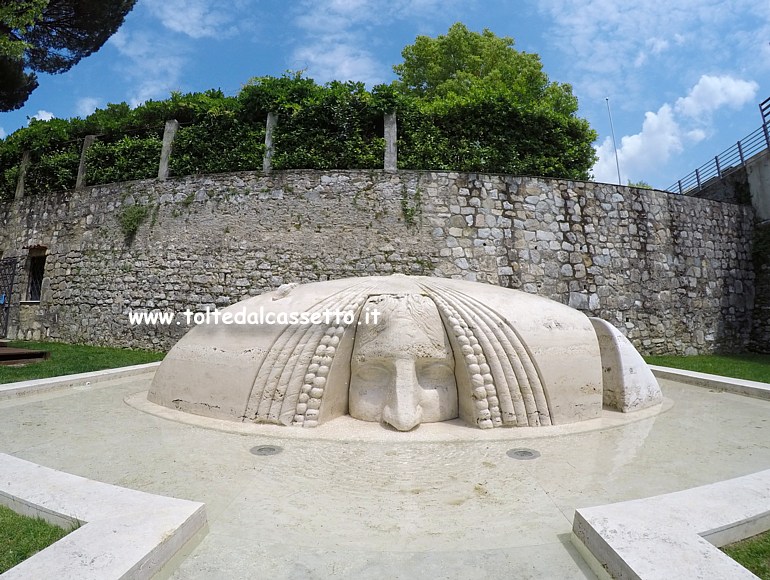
491, 135
53, 170
338, 128
220, 143
332, 126
126, 159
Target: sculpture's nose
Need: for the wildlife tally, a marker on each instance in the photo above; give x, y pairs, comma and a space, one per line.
402, 409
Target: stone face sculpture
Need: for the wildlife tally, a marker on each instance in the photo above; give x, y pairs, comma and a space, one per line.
403, 351
402, 371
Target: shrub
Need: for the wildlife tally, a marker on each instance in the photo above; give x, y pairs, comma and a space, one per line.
130, 218
126, 159
54, 170
218, 143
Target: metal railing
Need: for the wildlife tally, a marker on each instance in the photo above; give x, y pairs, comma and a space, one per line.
729, 160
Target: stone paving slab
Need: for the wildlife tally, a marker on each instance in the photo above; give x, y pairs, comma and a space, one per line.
676, 535
754, 389
36, 386
123, 533
347, 508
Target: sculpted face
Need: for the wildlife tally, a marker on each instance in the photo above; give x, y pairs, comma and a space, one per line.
520, 360
402, 368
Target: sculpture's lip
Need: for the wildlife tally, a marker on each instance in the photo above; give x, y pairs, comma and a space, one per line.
347, 428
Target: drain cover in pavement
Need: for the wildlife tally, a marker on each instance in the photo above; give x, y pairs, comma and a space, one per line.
266, 449
523, 453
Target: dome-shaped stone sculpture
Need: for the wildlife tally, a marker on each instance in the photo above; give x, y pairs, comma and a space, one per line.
403, 351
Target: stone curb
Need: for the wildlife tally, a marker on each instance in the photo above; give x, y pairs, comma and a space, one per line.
126, 534
36, 386
729, 385
675, 535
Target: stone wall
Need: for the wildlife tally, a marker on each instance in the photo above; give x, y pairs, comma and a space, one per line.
673, 273
760, 338
732, 187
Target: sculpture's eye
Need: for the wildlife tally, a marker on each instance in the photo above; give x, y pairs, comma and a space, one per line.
433, 374
374, 374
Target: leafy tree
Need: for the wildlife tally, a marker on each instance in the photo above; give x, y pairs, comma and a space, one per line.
466, 63
18, 16
50, 36
477, 104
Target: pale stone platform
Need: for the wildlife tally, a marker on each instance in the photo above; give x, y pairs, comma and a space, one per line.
728, 385
676, 535
121, 534
379, 508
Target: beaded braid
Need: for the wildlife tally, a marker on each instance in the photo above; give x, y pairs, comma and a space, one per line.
485, 401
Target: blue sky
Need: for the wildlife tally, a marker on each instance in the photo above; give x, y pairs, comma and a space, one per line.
683, 80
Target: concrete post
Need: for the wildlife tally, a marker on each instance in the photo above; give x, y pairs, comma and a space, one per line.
165, 153
270, 125
391, 138
25, 161
758, 172
80, 181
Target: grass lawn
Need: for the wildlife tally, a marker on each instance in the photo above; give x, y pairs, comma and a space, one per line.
22, 536
752, 553
67, 359
752, 367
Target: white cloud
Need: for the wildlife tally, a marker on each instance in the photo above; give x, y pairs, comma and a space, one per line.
665, 133
654, 47
657, 45
86, 106
2, 133
195, 18
341, 62
154, 65
714, 92
660, 138
696, 135
334, 46
646, 47
43, 115
338, 34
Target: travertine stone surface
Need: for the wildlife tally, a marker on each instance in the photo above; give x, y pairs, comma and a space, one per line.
676, 535
398, 350
403, 369
628, 383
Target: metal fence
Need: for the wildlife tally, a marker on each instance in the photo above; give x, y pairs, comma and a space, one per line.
729, 160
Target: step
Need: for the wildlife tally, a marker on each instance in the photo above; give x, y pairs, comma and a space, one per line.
11, 356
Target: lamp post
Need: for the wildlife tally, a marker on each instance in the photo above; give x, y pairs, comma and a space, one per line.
614, 143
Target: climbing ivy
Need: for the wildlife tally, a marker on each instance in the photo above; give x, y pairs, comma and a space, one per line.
411, 206
130, 218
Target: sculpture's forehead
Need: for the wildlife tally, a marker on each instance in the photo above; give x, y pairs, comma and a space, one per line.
408, 324
396, 299
403, 305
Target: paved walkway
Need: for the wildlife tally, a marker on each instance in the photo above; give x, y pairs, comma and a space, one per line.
416, 508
